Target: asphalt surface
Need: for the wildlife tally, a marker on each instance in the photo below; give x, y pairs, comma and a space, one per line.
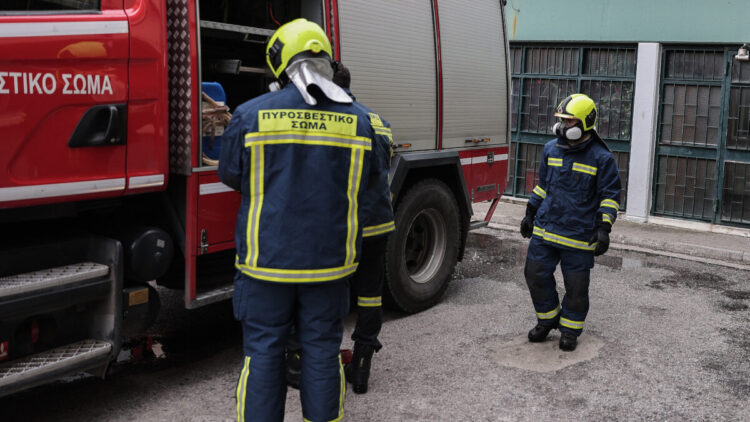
665, 339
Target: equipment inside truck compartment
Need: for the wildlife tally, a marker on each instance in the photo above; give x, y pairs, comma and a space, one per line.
233, 38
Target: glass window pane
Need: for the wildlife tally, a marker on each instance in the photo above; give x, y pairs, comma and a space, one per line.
47, 5
738, 124
735, 206
551, 61
609, 61
684, 187
614, 103
539, 99
701, 65
690, 114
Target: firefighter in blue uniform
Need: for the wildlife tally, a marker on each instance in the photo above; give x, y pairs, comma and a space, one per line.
303, 159
367, 282
568, 218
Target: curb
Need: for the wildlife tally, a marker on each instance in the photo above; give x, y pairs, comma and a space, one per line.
695, 253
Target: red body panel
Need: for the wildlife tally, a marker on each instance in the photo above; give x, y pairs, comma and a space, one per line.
49, 79
217, 212
148, 118
48, 82
485, 171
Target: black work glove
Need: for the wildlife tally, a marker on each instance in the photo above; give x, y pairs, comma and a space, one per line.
527, 224
601, 236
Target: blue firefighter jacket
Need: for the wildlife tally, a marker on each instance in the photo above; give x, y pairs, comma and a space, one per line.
575, 185
312, 179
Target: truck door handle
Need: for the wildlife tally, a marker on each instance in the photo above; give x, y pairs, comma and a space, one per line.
101, 125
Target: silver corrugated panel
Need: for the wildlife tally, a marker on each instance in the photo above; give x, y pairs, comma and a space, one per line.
389, 46
474, 72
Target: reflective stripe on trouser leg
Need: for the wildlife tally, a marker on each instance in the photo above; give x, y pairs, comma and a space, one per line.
265, 311
321, 310
367, 284
575, 304
539, 271
241, 389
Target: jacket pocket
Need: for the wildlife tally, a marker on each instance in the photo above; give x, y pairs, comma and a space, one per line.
584, 181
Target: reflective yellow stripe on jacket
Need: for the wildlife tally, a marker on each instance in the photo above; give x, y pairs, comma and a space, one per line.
583, 168
297, 276
610, 203
369, 231
561, 240
539, 191
257, 141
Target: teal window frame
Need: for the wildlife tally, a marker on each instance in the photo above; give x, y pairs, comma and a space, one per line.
579, 68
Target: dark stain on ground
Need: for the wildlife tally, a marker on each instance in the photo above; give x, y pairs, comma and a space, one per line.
733, 370
490, 257
733, 306
653, 310
737, 294
692, 280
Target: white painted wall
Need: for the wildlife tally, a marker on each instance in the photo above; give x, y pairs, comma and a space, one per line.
643, 142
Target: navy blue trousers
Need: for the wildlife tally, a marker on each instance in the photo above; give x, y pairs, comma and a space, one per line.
541, 260
367, 285
267, 311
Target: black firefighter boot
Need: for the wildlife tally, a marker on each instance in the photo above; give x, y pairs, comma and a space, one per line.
539, 332
358, 371
568, 341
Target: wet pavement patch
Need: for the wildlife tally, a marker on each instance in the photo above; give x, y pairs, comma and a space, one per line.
653, 310
737, 294
691, 280
488, 256
733, 306
518, 352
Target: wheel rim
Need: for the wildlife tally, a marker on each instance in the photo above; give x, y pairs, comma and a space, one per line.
425, 245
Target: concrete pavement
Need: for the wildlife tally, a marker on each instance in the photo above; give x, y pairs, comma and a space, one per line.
700, 242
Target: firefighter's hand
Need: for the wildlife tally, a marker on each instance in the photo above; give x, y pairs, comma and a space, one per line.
527, 224
601, 238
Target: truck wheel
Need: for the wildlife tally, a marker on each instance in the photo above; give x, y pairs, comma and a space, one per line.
423, 251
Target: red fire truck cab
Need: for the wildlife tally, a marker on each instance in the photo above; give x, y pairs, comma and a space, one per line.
111, 114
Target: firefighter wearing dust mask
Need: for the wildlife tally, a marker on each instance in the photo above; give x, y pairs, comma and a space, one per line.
306, 160
568, 218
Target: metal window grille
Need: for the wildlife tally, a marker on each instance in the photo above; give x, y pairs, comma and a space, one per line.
542, 77
703, 153
738, 124
685, 186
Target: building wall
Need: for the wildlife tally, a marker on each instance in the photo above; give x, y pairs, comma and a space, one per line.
686, 83
682, 21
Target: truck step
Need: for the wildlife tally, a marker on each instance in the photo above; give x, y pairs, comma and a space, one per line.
51, 278
66, 360
474, 225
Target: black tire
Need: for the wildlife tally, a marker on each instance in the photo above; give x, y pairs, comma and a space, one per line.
423, 251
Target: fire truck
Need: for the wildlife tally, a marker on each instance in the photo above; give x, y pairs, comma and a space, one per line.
108, 183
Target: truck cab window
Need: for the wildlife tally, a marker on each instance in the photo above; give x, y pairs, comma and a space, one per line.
48, 5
